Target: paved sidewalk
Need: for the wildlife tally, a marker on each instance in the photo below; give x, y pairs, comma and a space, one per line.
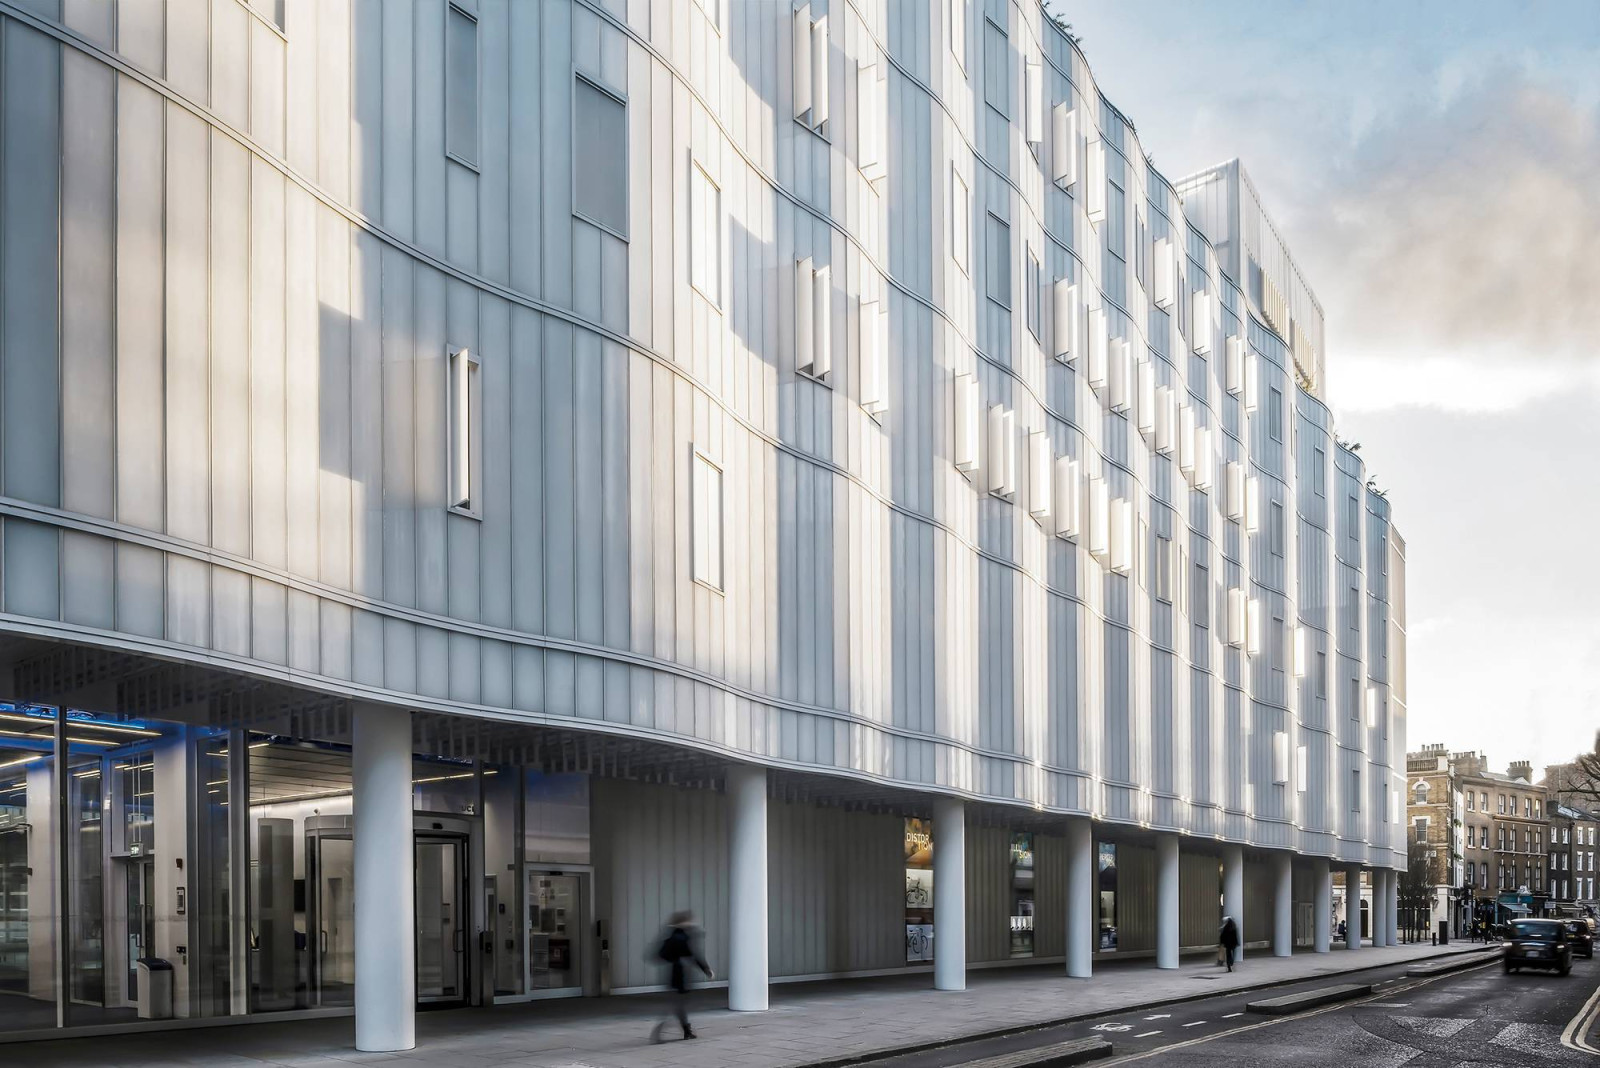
807, 1024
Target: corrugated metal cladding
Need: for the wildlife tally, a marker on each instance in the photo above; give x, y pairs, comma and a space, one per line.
836, 884
237, 257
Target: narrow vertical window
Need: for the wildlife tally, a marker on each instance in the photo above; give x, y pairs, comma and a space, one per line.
1279, 533
599, 157
461, 86
705, 234
1319, 473
465, 394
996, 69
707, 527
1275, 414
999, 261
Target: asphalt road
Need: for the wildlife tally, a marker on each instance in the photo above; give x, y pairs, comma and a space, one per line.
1478, 1016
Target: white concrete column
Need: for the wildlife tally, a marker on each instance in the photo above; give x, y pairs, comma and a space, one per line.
1322, 884
1082, 923
1233, 891
1166, 901
1381, 878
949, 894
385, 877
747, 888
1389, 913
1282, 905
1352, 906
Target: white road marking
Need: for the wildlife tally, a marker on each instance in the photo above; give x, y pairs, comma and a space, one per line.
1197, 1023
1276, 1021
1147, 1034
1231, 1015
1160, 1016
1112, 1027
1574, 1036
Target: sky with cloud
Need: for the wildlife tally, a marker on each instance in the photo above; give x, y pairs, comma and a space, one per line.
1434, 166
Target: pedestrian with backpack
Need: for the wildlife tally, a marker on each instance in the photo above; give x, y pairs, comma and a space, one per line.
680, 945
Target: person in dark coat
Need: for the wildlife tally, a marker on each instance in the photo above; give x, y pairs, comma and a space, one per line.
1229, 939
680, 947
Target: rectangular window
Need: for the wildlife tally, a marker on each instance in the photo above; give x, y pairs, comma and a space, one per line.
960, 221
707, 530
1355, 790
1319, 473
1469, 800
1200, 596
461, 86
998, 261
1280, 757
1034, 295
705, 234
1279, 533
1421, 826
466, 435
1353, 697
1322, 674
599, 157
1275, 413
1163, 569
996, 68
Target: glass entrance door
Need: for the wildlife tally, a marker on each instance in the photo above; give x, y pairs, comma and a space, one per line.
442, 918
140, 933
555, 933
330, 917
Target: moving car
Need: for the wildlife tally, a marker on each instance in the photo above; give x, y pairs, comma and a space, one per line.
1581, 937
1538, 944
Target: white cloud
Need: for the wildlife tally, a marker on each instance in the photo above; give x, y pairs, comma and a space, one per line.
1380, 381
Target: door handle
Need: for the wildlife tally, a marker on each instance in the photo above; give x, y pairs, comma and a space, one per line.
323, 942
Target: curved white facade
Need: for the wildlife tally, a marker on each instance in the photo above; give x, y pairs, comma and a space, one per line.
237, 261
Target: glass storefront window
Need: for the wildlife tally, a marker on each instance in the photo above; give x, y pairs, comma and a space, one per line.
27, 872
1022, 895
919, 890
1108, 896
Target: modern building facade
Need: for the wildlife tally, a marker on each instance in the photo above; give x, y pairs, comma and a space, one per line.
479, 477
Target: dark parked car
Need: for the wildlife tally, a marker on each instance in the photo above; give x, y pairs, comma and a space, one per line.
1581, 937
1538, 944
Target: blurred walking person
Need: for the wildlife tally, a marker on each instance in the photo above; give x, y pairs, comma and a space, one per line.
1228, 939
680, 947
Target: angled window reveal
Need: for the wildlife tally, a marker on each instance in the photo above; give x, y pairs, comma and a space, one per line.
706, 533
1068, 492
1067, 320
1095, 179
1099, 518
1236, 490
1236, 617
465, 394
810, 40
1033, 293
966, 423
960, 221
1234, 381
705, 234
1040, 472
813, 305
1280, 757
1002, 451
1145, 402
1099, 342
1064, 146
1163, 280
1122, 535
872, 127
874, 358
1033, 91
